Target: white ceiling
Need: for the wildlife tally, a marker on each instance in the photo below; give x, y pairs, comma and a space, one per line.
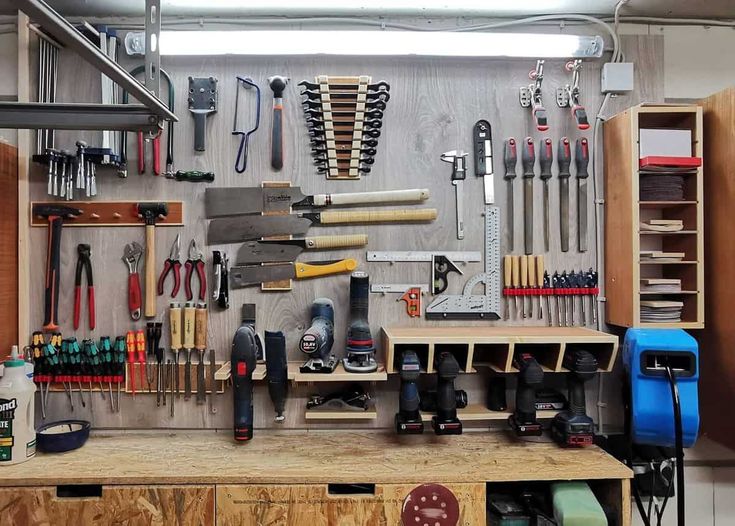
658, 8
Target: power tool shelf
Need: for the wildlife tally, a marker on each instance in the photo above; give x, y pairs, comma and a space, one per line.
494, 347
370, 414
479, 413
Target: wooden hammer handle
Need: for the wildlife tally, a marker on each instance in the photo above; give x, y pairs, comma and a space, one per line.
150, 271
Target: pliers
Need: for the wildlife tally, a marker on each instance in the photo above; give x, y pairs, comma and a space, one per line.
83, 264
195, 261
172, 263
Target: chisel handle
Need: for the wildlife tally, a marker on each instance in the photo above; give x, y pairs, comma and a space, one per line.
364, 198
515, 271
524, 271
507, 271
540, 271
531, 271
528, 157
322, 242
277, 135
189, 324
174, 320
546, 158
378, 216
200, 327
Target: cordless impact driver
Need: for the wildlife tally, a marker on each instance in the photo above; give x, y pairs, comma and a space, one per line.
573, 428
530, 378
408, 417
446, 422
245, 346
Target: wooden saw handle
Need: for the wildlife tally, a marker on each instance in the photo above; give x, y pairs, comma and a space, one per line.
322, 242
362, 198
378, 216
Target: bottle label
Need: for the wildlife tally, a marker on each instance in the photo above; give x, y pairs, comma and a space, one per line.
7, 415
31, 449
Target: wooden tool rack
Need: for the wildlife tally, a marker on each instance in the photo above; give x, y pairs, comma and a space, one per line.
289, 478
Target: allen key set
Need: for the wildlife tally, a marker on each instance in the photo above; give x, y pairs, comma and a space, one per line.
344, 117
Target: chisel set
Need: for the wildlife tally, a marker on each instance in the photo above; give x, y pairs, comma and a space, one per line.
525, 277
344, 116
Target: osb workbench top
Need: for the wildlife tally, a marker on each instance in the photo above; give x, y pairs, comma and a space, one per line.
310, 457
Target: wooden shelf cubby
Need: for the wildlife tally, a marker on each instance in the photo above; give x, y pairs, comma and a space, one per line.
625, 211
494, 347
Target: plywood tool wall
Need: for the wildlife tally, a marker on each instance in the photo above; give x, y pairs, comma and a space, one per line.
434, 104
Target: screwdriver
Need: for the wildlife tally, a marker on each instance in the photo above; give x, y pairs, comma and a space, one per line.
119, 360
149, 336
507, 264
524, 283
531, 283
158, 352
189, 321
140, 348
200, 338
106, 359
130, 344
516, 280
540, 283
174, 321
564, 288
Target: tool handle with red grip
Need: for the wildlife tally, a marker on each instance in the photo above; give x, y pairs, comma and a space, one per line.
134, 295
91, 308
77, 306
53, 265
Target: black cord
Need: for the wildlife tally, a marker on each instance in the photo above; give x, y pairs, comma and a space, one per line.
680, 504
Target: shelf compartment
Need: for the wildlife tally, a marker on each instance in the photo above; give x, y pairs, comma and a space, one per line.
370, 414
460, 351
425, 353
548, 355
497, 356
338, 375
605, 354
679, 293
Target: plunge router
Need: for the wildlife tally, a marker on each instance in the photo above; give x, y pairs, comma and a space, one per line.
360, 347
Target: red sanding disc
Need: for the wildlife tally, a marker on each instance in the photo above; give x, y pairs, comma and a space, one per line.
430, 505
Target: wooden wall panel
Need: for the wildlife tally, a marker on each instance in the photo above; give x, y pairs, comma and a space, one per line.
434, 104
8, 248
295, 505
129, 505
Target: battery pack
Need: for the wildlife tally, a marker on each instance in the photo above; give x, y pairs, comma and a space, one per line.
646, 353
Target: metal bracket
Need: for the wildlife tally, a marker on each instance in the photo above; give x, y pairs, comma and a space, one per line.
17, 115
562, 97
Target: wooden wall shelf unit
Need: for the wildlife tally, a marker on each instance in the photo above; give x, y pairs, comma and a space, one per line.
717, 368
494, 347
624, 212
288, 477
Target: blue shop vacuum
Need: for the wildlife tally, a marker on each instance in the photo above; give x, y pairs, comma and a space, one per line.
663, 371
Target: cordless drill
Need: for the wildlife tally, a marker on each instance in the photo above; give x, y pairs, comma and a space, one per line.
408, 417
245, 346
446, 422
317, 340
276, 368
530, 377
573, 427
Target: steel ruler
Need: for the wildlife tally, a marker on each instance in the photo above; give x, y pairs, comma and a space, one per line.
396, 288
476, 306
411, 256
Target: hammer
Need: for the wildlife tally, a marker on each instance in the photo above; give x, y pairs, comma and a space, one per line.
150, 212
55, 215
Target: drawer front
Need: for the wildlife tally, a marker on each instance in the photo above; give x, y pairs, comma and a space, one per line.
313, 505
129, 505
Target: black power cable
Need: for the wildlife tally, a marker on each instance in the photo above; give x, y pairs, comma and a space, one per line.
680, 504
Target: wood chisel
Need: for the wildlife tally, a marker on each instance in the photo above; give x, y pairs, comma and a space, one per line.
528, 161
458, 158
563, 160
247, 228
189, 323
245, 276
175, 326
582, 160
524, 284
230, 201
278, 250
546, 159
510, 158
483, 149
200, 343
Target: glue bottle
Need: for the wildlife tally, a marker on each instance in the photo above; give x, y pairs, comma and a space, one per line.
17, 432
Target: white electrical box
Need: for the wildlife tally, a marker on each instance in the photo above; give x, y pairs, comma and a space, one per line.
617, 77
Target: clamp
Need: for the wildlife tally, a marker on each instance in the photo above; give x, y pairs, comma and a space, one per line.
568, 96
530, 97
172, 264
84, 264
195, 262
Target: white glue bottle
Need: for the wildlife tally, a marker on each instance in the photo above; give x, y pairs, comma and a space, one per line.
17, 432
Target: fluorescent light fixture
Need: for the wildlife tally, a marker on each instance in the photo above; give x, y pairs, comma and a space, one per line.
380, 43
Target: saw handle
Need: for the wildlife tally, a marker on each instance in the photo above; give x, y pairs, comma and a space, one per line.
323, 242
364, 198
378, 216
305, 270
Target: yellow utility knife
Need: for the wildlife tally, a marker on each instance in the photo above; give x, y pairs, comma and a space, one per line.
249, 275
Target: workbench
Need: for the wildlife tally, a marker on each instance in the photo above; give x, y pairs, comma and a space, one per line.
287, 477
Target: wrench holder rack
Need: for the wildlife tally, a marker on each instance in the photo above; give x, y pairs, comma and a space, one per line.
344, 116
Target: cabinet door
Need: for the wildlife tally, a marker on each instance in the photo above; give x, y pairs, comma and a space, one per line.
104, 505
314, 505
